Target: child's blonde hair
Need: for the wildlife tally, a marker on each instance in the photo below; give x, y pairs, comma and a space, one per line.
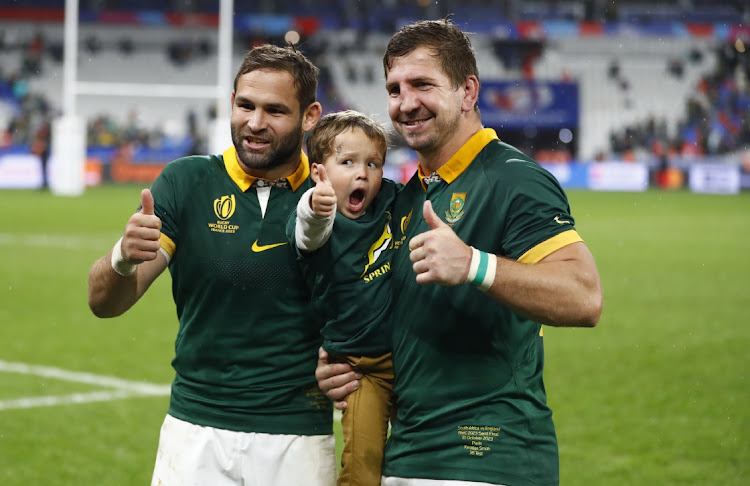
320, 139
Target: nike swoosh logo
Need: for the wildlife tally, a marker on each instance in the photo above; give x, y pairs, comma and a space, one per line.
561, 221
259, 248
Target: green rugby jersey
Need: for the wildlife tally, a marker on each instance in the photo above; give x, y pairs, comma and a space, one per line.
471, 400
350, 279
246, 348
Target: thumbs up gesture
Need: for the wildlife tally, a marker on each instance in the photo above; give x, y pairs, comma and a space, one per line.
140, 243
323, 200
438, 255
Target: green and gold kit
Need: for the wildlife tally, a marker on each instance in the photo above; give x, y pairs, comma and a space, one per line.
349, 277
471, 400
246, 348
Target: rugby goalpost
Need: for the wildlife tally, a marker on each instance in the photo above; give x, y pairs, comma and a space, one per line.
68, 149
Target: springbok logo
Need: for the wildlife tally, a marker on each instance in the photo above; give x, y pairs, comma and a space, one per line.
456, 210
224, 207
383, 242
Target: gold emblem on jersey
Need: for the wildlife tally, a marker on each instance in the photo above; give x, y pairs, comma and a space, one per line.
456, 210
405, 221
224, 207
382, 243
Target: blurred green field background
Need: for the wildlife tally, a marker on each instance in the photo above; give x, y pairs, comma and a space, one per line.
657, 394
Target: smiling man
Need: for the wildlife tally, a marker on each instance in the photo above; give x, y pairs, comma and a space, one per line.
485, 252
244, 407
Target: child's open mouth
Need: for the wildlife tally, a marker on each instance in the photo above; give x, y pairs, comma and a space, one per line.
356, 200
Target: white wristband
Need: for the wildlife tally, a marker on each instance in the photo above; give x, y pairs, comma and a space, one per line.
481, 269
119, 264
473, 265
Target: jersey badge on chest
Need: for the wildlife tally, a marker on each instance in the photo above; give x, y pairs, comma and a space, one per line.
456, 210
224, 209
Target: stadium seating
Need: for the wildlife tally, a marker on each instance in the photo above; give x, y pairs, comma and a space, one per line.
643, 86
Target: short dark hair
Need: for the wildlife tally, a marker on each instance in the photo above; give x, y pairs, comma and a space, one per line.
286, 59
319, 141
449, 44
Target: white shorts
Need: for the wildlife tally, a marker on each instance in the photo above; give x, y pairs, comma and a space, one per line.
394, 481
193, 455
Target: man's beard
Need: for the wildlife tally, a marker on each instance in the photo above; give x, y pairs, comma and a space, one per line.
279, 152
431, 142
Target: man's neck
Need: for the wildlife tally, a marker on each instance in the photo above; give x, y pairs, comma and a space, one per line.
432, 161
274, 173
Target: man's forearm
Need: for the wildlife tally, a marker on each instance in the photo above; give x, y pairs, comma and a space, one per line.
111, 294
560, 291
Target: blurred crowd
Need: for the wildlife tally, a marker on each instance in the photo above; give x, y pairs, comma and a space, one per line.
31, 113
380, 14
716, 117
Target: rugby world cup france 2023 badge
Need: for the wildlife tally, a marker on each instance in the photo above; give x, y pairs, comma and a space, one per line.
456, 209
224, 209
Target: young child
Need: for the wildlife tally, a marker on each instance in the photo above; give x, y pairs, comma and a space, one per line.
342, 234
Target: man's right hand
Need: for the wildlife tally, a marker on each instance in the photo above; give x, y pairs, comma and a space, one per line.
336, 380
140, 243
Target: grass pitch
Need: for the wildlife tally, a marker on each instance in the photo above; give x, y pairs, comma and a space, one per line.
658, 393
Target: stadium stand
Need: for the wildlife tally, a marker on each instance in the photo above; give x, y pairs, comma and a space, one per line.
636, 66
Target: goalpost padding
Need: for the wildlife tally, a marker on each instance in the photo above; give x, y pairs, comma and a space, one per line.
68, 156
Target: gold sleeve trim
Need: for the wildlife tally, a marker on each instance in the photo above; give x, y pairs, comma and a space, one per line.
551, 245
167, 244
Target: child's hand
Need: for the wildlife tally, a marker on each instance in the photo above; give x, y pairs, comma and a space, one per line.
323, 200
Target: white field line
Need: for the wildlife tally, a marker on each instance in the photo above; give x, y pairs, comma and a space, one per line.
55, 400
119, 388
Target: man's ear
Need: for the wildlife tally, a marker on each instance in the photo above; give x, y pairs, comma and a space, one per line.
471, 93
314, 174
311, 116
